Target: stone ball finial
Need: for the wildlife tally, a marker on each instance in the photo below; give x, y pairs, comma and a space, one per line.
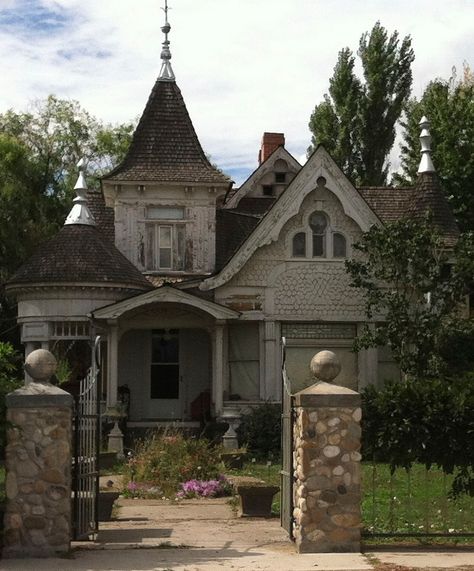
325, 366
41, 365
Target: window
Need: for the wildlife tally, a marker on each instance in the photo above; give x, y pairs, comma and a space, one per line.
164, 377
280, 177
299, 245
244, 364
267, 190
165, 238
319, 240
338, 245
318, 224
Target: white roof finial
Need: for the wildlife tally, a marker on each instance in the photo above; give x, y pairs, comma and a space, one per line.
426, 164
80, 213
166, 71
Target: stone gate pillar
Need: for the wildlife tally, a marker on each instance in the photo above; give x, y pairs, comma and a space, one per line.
38, 464
327, 492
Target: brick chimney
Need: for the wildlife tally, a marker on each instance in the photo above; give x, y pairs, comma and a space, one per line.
270, 142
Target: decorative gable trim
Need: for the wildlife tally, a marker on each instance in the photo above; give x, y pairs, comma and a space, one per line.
320, 164
165, 294
262, 170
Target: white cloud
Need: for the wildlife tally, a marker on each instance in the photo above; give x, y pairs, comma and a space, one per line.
244, 66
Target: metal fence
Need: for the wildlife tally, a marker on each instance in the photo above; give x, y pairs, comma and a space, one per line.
413, 503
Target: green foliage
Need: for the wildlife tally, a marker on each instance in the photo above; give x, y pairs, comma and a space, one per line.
166, 461
356, 121
429, 421
39, 150
412, 289
260, 431
9, 381
449, 106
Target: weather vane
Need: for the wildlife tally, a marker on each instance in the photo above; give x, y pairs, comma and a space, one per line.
166, 72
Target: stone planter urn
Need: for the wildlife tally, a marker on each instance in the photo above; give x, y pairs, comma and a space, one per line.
106, 503
256, 499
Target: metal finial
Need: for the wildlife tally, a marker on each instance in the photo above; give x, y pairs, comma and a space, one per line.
166, 71
426, 164
80, 213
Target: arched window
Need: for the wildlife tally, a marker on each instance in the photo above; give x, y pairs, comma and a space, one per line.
319, 239
318, 224
338, 245
299, 245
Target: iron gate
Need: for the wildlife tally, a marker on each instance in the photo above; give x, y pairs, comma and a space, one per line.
85, 485
286, 473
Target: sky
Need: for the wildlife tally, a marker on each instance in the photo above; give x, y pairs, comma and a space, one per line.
243, 66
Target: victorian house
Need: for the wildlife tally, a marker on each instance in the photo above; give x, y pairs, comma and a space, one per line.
192, 284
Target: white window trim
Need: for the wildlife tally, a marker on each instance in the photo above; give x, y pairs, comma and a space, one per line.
330, 231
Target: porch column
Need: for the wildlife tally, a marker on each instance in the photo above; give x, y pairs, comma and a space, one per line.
112, 364
270, 380
218, 370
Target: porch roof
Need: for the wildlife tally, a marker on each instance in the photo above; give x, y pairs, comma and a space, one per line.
165, 294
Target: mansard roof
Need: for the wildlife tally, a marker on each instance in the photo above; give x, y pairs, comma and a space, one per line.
78, 255
165, 147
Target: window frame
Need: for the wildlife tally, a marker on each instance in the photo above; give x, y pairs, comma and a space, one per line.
328, 240
154, 229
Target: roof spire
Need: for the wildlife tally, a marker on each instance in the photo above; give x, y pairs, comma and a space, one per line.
80, 213
426, 164
166, 71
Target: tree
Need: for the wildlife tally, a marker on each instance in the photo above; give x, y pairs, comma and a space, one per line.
413, 289
449, 106
356, 121
39, 151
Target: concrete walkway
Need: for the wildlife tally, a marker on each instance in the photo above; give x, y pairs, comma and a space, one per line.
206, 535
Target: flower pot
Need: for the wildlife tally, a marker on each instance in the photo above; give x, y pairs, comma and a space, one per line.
106, 503
256, 500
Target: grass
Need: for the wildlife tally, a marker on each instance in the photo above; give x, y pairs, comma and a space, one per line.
417, 503
413, 502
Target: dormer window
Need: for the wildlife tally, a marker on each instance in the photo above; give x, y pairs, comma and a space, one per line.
319, 240
280, 177
165, 238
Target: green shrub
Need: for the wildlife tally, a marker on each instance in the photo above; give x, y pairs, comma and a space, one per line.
165, 461
260, 431
9, 359
430, 421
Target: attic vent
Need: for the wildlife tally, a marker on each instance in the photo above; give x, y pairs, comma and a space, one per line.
141, 188
267, 190
280, 177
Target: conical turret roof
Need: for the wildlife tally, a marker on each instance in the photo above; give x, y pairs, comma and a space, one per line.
165, 147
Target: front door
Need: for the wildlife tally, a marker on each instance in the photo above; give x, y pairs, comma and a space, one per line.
165, 386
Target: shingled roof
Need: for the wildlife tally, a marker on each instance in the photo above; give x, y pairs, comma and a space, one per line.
430, 198
78, 254
389, 203
165, 147
232, 228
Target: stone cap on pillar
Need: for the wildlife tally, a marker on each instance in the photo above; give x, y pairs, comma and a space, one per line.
325, 394
39, 395
325, 366
40, 365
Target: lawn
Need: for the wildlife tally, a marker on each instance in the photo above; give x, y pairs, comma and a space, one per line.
415, 503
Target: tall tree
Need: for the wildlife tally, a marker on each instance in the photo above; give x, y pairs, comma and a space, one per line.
356, 121
449, 105
413, 288
39, 150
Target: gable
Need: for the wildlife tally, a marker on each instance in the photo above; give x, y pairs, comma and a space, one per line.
279, 161
319, 172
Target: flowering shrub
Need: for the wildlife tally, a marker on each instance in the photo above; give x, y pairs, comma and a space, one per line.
142, 490
165, 461
204, 488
